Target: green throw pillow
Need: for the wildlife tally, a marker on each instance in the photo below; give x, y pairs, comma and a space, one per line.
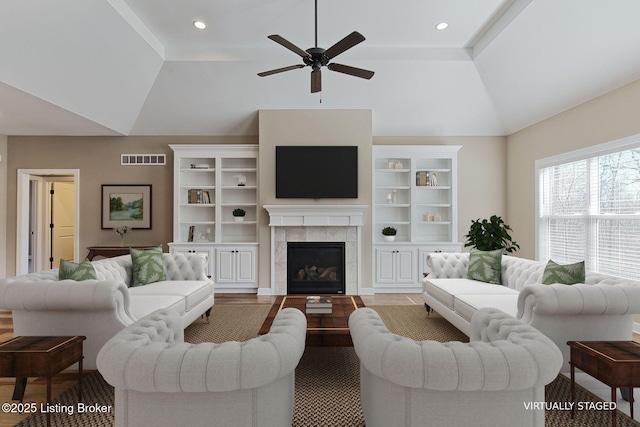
74, 271
565, 274
147, 265
485, 266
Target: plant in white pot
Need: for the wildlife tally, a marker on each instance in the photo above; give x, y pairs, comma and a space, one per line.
389, 234
238, 214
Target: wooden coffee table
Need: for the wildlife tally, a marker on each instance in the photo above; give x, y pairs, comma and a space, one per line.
615, 363
322, 329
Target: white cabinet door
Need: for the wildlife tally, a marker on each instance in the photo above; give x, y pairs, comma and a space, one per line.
385, 272
236, 264
225, 266
404, 266
246, 265
395, 265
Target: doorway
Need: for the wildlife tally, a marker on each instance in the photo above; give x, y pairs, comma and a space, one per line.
47, 218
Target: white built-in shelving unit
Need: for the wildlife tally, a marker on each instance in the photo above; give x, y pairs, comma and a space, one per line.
414, 191
210, 181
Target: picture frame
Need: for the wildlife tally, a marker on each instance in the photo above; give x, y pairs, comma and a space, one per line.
126, 204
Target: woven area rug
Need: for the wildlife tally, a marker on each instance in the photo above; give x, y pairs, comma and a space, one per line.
228, 323
327, 378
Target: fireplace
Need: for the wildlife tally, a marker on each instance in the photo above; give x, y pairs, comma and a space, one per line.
315, 268
315, 223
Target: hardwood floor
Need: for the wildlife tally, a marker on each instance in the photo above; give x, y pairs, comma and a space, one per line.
36, 387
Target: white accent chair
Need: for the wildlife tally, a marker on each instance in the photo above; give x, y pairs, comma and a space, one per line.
485, 382
160, 380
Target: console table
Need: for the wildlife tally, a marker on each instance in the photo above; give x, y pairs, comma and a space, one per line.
32, 356
615, 363
111, 251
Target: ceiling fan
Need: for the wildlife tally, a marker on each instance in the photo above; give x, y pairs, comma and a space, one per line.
317, 57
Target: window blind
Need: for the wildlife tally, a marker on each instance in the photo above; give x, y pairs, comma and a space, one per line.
589, 209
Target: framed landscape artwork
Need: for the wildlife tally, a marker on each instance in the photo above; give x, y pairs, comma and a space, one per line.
125, 204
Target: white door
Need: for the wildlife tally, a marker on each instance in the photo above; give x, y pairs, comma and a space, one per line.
26, 208
63, 224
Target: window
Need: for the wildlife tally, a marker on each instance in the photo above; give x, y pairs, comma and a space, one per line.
589, 208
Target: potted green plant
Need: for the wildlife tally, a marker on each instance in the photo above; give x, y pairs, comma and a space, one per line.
389, 233
238, 214
490, 235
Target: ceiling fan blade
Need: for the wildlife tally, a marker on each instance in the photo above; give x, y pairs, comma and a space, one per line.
316, 81
281, 70
286, 43
352, 71
346, 43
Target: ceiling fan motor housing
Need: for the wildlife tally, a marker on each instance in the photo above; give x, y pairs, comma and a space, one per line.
317, 59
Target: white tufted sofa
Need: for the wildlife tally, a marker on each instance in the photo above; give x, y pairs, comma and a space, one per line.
600, 309
160, 380
485, 382
97, 309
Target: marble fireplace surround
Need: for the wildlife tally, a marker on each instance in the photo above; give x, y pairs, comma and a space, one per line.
315, 223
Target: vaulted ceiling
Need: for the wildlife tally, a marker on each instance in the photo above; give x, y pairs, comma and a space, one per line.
139, 67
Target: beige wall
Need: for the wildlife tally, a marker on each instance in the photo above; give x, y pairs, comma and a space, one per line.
98, 159
481, 160
606, 118
3, 205
314, 127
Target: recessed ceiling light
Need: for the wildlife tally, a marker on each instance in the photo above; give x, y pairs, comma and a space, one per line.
199, 25
442, 26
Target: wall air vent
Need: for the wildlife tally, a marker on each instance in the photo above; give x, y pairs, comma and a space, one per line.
143, 159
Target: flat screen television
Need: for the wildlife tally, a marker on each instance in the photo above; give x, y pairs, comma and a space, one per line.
316, 172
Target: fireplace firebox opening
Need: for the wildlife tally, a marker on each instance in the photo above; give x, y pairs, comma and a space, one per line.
315, 268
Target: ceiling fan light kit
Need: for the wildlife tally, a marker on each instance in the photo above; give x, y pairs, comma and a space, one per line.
317, 57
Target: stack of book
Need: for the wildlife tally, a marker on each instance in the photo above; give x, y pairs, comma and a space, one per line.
318, 305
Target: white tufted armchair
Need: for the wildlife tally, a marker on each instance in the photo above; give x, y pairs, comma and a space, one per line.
486, 382
160, 380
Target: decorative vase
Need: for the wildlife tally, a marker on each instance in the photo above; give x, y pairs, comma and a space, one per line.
122, 240
389, 238
238, 218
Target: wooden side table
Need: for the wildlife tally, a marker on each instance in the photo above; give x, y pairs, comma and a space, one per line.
23, 357
615, 363
111, 251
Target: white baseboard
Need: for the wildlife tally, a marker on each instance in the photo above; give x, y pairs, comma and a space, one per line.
366, 291
235, 290
636, 328
408, 289
265, 291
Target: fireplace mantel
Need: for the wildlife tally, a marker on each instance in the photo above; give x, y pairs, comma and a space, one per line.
315, 215
315, 223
